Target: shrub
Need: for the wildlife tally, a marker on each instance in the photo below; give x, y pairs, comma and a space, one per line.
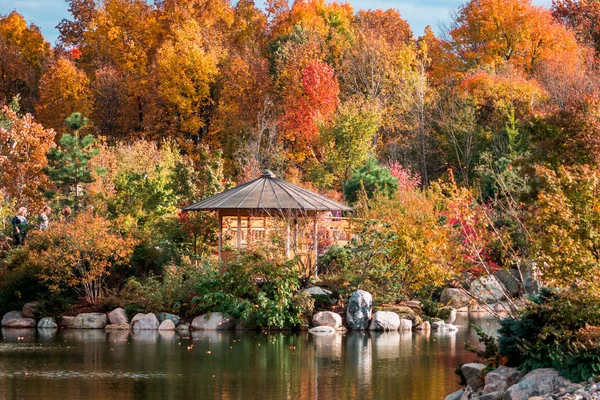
257, 289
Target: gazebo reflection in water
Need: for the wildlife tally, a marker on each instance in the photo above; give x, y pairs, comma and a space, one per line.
268, 208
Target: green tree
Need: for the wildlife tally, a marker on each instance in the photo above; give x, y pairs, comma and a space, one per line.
373, 178
68, 163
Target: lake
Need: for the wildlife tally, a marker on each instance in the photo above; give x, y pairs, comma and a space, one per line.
93, 364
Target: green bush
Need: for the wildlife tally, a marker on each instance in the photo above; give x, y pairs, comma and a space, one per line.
256, 289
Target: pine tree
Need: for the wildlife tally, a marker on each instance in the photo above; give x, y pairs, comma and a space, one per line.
68, 163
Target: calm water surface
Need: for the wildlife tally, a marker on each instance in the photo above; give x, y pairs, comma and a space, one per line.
93, 364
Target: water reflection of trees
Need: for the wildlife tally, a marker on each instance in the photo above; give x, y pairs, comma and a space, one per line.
151, 364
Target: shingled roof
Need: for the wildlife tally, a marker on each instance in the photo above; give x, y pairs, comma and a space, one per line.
268, 193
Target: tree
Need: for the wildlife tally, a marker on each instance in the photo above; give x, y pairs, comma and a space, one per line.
495, 33
23, 147
373, 178
68, 163
581, 16
63, 90
79, 253
349, 140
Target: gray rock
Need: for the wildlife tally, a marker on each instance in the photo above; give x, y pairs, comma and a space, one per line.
137, 317
450, 328
413, 303
213, 321
167, 325
501, 379
11, 315
405, 325
183, 327
452, 317
162, 316
31, 309
473, 373
360, 307
89, 321
317, 291
385, 321
539, 382
456, 395
148, 322
118, 316
454, 298
327, 318
404, 312
117, 327
511, 280
322, 331
488, 289
65, 321
47, 323
20, 323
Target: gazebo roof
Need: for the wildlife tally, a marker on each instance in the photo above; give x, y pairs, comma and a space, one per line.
268, 193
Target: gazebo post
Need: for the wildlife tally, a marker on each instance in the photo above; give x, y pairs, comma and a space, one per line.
220, 218
316, 240
287, 238
239, 230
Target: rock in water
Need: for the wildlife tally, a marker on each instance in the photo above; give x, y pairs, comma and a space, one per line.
213, 321
118, 316
137, 317
11, 315
167, 325
322, 331
117, 327
65, 321
473, 373
405, 325
425, 326
327, 318
31, 309
488, 288
452, 317
89, 321
148, 322
47, 323
385, 321
456, 395
358, 314
538, 382
20, 323
454, 298
404, 312
162, 316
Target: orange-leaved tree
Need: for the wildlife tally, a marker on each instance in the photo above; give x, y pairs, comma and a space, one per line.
79, 253
23, 147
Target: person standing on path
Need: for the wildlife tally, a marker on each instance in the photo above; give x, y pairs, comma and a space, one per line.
20, 226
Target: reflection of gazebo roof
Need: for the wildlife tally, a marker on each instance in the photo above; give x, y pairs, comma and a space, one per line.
268, 193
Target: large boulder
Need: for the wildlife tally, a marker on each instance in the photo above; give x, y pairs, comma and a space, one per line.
317, 291
360, 308
47, 323
20, 323
425, 327
89, 321
511, 280
65, 321
167, 325
148, 322
488, 289
117, 327
405, 325
385, 321
473, 373
31, 309
163, 316
454, 298
501, 379
213, 321
404, 312
327, 318
10, 316
118, 316
136, 318
539, 382
451, 315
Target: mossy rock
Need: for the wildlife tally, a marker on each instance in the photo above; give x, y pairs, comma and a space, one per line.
404, 313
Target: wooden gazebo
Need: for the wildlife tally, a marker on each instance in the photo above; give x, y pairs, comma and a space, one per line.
265, 198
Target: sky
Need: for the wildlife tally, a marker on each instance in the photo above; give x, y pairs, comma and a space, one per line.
419, 13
